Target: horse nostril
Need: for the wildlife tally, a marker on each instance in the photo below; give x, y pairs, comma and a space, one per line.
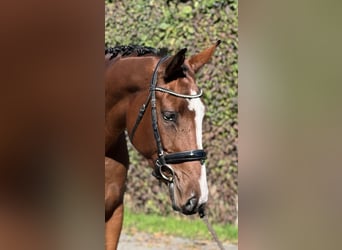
190, 206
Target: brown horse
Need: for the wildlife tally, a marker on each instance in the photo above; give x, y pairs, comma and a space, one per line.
156, 100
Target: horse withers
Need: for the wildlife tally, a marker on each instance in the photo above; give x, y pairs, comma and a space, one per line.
156, 100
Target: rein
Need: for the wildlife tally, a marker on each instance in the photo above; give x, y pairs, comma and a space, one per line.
161, 169
212, 231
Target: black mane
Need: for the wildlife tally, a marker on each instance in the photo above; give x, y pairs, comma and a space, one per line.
134, 50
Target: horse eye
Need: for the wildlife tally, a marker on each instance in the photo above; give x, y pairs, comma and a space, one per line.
169, 116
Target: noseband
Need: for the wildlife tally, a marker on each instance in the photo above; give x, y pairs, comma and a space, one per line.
162, 170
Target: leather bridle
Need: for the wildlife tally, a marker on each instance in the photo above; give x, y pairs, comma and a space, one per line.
162, 169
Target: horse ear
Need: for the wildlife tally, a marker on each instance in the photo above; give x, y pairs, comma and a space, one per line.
174, 69
198, 60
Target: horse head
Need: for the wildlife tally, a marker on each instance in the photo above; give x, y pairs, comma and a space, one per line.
169, 133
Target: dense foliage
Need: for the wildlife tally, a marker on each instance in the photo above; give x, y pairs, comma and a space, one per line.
194, 25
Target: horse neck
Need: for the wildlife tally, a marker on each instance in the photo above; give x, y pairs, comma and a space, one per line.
124, 77
129, 74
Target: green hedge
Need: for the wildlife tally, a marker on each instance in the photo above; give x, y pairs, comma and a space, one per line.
194, 25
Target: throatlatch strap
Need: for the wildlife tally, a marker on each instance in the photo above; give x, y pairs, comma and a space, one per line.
140, 116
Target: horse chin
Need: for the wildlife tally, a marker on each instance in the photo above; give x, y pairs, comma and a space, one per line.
201, 210
176, 208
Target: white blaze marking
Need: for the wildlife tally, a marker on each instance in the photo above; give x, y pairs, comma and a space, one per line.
197, 106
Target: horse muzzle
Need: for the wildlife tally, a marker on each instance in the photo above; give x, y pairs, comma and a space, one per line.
190, 206
164, 172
